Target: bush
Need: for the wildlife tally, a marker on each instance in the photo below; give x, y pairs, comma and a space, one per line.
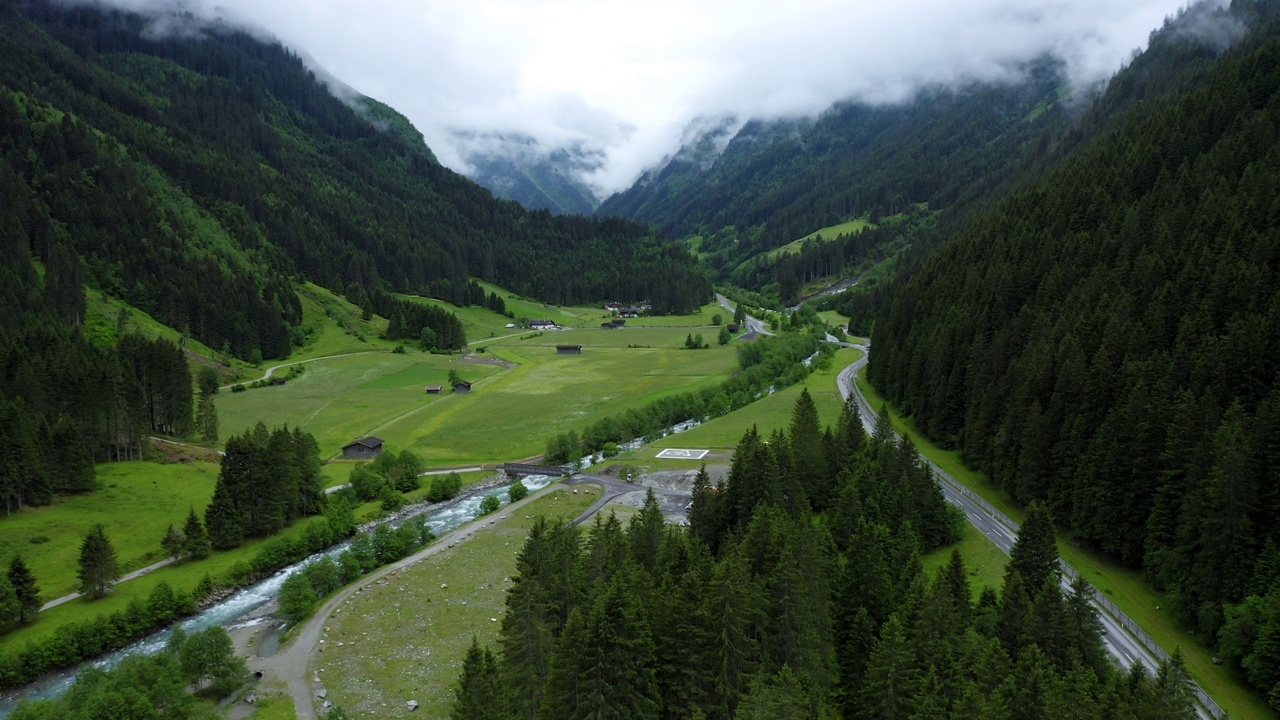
238, 387
517, 491
489, 504
391, 500
444, 487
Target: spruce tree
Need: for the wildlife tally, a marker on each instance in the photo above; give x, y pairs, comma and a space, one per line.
223, 518
645, 532
195, 539
1035, 555
98, 565
10, 607
24, 585
891, 679
476, 696
173, 542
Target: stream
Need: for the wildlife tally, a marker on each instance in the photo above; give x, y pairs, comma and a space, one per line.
441, 519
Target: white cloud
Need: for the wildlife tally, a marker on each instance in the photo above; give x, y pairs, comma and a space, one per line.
625, 78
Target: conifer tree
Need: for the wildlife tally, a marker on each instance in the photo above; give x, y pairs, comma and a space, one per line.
223, 518
891, 679
98, 565
603, 666
195, 539
24, 586
645, 532
1035, 555
477, 693
173, 542
10, 607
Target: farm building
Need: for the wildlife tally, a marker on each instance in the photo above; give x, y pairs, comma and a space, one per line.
462, 386
569, 349
541, 324
362, 449
434, 389
277, 382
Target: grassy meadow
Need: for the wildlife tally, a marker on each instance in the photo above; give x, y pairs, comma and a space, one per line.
421, 621
513, 408
344, 398
766, 414
827, 233
136, 503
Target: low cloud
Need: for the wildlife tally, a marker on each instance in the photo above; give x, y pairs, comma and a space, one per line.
622, 81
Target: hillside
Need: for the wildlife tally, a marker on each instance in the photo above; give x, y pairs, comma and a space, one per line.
1105, 341
192, 173
515, 168
775, 182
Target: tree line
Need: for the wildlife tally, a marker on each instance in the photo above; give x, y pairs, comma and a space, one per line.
797, 591
1105, 341
68, 403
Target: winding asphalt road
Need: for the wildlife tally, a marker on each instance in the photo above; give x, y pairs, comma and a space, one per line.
1120, 642
1001, 530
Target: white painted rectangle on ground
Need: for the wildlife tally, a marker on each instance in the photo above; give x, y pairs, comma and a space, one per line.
679, 454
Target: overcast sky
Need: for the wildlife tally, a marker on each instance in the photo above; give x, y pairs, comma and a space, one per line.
625, 78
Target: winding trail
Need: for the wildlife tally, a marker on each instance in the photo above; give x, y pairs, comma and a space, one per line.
271, 370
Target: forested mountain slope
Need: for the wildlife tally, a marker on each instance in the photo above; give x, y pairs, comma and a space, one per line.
1106, 341
193, 168
778, 181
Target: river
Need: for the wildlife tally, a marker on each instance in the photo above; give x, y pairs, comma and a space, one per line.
441, 519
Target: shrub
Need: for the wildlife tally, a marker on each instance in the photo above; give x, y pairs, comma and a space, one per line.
444, 487
517, 491
489, 504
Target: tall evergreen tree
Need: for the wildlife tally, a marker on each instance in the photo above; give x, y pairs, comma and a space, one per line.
1035, 555
477, 693
98, 565
24, 585
195, 539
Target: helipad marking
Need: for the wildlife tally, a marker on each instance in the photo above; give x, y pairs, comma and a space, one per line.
679, 454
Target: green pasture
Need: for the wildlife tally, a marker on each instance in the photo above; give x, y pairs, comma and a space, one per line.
699, 319
827, 233
533, 310
671, 338
136, 503
1127, 588
767, 414
421, 621
344, 398
512, 414
480, 323
831, 317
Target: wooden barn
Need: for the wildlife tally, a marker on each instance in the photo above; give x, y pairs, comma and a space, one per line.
362, 449
462, 386
568, 349
434, 389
